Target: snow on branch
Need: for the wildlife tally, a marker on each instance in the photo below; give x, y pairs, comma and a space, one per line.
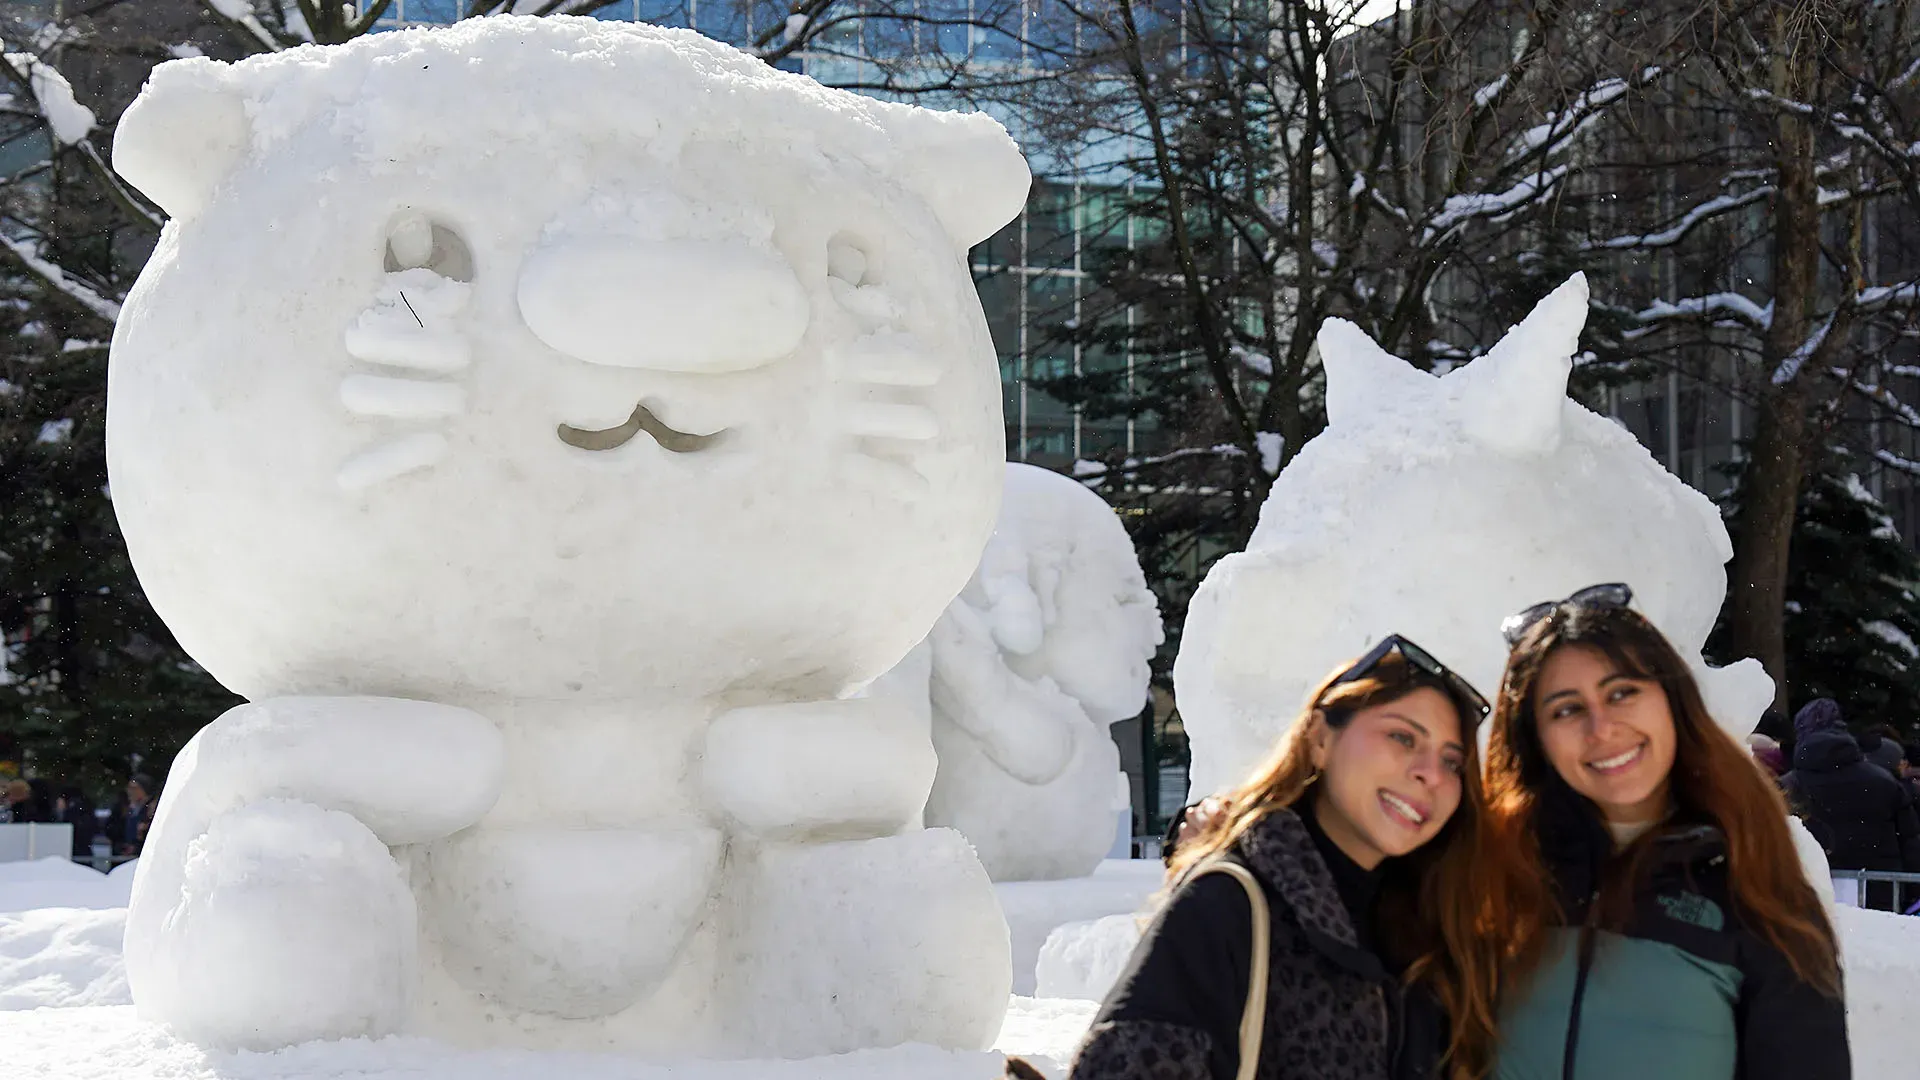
240, 13
1587, 107
1094, 470
1885, 398
1716, 306
1789, 368
1459, 209
1677, 231
28, 252
1885, 296
1894, 461
67, 119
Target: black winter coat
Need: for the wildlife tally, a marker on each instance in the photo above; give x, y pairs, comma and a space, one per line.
1857, 810
1334, 1012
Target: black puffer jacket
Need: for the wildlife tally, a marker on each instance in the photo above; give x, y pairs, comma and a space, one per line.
1333, 1010
1858, 811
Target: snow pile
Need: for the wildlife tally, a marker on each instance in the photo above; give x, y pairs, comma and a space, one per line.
1045, 648
1882, 955
1035, 909
1085, 959
67, 119
58, 957
609, 408
1435, 507
58, 882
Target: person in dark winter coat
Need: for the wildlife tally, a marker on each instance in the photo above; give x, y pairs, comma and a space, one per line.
71, 807
127, 824
1659, 922
1880, 749
27, 807
1372, 803
1862, 815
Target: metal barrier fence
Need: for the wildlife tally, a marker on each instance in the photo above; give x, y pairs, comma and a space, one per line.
1906, 887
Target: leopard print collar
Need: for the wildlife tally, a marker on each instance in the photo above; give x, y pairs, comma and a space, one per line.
1278, 849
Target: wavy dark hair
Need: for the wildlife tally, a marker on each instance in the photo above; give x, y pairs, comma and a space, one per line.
1713, 781
1426, 920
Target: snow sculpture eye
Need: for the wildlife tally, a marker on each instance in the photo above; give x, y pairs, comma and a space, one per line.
415, 241
848, 261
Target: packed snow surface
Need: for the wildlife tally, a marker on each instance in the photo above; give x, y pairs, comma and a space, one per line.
1036, 908
600, 407
1434, 508
1045, 648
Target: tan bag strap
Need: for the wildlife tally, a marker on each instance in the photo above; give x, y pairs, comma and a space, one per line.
1254, 1019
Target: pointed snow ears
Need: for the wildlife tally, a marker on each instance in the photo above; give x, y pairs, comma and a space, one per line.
183, 135
1514, 398
1360, 374
967, 168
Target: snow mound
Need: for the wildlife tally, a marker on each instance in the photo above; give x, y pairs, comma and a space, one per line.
60, 882
1882, 956
62, 958
113, 1044
1045, 648
1084, 959
1434, 508
1035, 908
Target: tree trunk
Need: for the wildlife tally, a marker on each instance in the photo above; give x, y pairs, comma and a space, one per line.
1781, 444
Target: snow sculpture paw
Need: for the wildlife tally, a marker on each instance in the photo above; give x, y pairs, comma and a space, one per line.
267, 908
826, 769
865, 943
293, 923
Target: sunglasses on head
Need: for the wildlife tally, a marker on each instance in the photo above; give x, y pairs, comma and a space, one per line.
1614, 594
1421, 660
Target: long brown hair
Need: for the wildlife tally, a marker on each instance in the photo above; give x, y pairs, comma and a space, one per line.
1428, 899
1713, 781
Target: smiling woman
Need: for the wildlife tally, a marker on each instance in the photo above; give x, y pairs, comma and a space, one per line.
1361, 838
1655, 917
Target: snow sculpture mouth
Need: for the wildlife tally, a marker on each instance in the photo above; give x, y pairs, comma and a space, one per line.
614, 438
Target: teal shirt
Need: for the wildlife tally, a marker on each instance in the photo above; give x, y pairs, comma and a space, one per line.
1651, 1011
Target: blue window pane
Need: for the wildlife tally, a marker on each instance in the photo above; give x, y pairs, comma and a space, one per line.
664, 12
946, 22
722, 20
618, 11
434, 11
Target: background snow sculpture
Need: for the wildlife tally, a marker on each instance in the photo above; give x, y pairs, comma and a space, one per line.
1435, 507
1044, 649
618, 402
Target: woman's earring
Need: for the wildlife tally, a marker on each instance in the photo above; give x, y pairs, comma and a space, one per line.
1314, 777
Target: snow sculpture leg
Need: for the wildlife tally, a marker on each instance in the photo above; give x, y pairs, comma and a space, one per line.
267, 908
844, 935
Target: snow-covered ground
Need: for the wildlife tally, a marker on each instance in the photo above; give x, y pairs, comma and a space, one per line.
64, 1011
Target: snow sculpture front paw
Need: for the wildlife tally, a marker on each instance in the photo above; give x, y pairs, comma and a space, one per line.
292, 923
859, 767
267, 908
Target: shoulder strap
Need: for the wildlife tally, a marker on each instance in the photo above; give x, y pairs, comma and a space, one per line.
1253, 1019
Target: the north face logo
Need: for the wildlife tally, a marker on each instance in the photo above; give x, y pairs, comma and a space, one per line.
1694, 909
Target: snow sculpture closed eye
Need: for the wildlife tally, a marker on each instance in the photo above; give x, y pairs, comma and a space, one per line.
1040, 654
544, 422
1435, 507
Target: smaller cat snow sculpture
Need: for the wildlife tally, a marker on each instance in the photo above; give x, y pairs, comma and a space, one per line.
1046, 647
1435, 507
545, 423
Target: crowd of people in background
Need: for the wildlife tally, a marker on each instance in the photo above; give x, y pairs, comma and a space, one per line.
123, 826
1858, 795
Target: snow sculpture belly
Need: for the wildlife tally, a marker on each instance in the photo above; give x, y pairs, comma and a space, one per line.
1046, 647
545, 443
1435, 508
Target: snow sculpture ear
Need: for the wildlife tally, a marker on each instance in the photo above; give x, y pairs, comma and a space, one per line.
1513, 398
1360, 373
969, 170
181, 137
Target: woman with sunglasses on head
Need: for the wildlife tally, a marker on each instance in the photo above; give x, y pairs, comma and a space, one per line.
1657, 920
1344, 867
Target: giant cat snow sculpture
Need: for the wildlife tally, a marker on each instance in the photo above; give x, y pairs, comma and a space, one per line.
544, 422
1038, 656
1435, 507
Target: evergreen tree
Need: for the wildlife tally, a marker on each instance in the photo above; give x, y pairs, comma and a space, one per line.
1852, 610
